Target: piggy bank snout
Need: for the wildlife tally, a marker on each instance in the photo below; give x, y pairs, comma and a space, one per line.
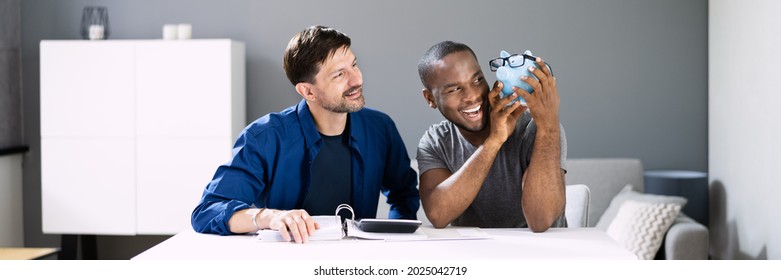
509, 77
503, 73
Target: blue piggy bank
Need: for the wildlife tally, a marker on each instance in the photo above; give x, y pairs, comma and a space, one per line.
509, 70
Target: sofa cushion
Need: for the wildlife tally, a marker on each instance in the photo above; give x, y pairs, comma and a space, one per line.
640, 226
628, 193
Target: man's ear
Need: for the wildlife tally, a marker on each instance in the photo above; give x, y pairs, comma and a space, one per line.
305, 90
429, 97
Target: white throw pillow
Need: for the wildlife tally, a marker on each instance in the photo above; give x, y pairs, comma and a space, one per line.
640, 226
628, 193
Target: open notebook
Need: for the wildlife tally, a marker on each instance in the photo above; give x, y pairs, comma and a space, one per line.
331, 228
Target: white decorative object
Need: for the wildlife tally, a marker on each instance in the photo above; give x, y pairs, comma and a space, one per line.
133, 130
184, 31
170, 32
96, 32
94, 23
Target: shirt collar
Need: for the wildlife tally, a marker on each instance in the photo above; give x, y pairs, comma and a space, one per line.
308, 128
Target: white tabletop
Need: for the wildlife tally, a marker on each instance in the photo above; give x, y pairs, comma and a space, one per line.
556, 243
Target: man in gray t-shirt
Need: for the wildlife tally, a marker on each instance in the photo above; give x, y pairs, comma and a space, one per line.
492, 162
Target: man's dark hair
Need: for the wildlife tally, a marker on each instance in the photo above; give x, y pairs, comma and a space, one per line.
436, 53
308, 49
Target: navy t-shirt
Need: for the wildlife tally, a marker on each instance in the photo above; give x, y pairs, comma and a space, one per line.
331, 176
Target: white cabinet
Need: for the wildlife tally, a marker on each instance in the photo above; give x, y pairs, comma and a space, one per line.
133, 130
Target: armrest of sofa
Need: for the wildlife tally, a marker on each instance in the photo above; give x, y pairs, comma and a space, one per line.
686, 240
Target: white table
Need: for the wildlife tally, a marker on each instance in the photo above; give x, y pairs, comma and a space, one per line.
556, 243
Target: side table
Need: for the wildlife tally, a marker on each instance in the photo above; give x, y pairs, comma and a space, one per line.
692, 185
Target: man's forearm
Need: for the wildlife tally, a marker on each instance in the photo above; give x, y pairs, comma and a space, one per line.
543, 188
450, 198
246, 220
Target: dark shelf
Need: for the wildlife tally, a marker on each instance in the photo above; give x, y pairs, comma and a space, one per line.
14, 150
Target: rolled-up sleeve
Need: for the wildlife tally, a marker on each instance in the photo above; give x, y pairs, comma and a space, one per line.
236, 185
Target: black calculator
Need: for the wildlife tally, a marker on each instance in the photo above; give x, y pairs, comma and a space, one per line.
389, 225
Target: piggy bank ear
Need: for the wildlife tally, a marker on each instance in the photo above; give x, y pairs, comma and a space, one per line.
528, 52
504, 54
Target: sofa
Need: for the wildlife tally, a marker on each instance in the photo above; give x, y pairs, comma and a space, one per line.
606, 177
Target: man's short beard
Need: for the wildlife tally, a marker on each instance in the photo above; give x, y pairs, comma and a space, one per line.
343, 106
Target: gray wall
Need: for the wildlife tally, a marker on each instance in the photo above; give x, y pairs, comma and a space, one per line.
632, 73
10, 82
11, 218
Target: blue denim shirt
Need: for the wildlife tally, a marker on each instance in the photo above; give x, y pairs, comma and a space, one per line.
271, 164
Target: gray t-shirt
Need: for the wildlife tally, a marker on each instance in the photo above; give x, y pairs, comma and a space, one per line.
498, 203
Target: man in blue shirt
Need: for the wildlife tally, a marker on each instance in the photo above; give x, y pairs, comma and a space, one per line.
309, 158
